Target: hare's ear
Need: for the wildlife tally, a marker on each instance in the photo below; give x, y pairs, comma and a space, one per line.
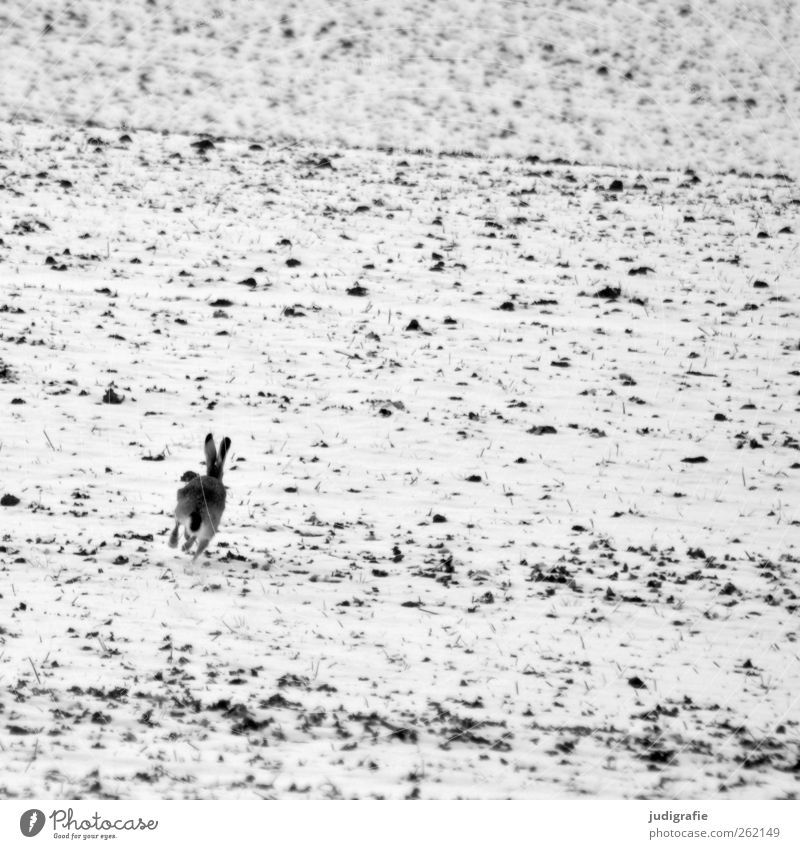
211, 454
223, 452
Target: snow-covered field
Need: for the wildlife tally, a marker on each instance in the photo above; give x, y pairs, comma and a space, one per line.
710, 83
513, 487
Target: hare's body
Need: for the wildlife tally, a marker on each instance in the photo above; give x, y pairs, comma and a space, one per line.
201, 502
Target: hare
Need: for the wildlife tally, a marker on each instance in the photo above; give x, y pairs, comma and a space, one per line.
202, 501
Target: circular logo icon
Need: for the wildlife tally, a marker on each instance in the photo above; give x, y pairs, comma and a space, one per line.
31, 822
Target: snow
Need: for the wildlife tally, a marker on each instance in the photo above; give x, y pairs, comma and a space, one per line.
482, 558
648, 83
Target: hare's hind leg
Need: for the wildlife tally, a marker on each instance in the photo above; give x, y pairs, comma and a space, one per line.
201, 547
173, 537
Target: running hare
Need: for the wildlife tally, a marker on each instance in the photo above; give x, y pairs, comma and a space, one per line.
202, 501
